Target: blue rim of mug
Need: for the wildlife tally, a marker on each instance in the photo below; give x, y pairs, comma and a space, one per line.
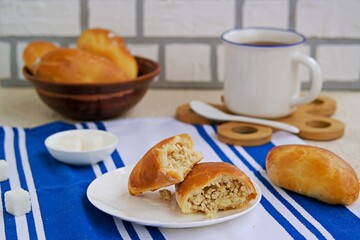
302, 37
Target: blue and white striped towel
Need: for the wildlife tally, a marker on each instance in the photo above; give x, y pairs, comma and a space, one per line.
61, 210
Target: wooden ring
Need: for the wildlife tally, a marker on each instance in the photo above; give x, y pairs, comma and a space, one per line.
321, 106
244, 134
321, 128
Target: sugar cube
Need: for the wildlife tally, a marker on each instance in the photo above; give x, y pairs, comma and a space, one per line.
95, 142
4, 170
17, 202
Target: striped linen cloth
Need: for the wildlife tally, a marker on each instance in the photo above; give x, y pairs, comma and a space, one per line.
61, 210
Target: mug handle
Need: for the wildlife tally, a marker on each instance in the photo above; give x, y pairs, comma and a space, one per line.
316, 79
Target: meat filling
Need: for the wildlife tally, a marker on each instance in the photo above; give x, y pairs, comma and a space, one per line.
180, 157
165, 194
221, 194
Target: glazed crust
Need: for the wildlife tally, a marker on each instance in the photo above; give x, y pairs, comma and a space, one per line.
313, 172
108, 44
35, 50
203, 174
153, 171
66, 65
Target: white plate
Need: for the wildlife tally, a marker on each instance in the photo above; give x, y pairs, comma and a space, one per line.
109, 193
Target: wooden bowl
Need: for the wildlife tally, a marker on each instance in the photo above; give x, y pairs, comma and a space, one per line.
95, 101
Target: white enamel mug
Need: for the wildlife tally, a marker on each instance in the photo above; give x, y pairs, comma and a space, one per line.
262, 72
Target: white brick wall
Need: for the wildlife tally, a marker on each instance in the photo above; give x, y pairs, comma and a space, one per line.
19, 60
220, 62
269, 13
184, 35
4, 60
341, 62
121, 19
150, 51
188, 18
187, 62
331, 18
29, 18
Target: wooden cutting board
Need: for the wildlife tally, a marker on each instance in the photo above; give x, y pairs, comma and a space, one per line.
313, 119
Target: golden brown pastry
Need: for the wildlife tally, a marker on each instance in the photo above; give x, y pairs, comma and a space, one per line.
111, 46
314, 172
165, 164
66, 65
211, 187
35, 50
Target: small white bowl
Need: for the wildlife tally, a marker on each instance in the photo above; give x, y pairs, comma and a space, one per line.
68, 146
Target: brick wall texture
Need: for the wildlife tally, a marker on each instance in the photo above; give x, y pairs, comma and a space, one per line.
184, 35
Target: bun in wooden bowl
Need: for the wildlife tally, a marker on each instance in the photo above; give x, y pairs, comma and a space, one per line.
69, 65
35, 50
95, 100
108, 44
